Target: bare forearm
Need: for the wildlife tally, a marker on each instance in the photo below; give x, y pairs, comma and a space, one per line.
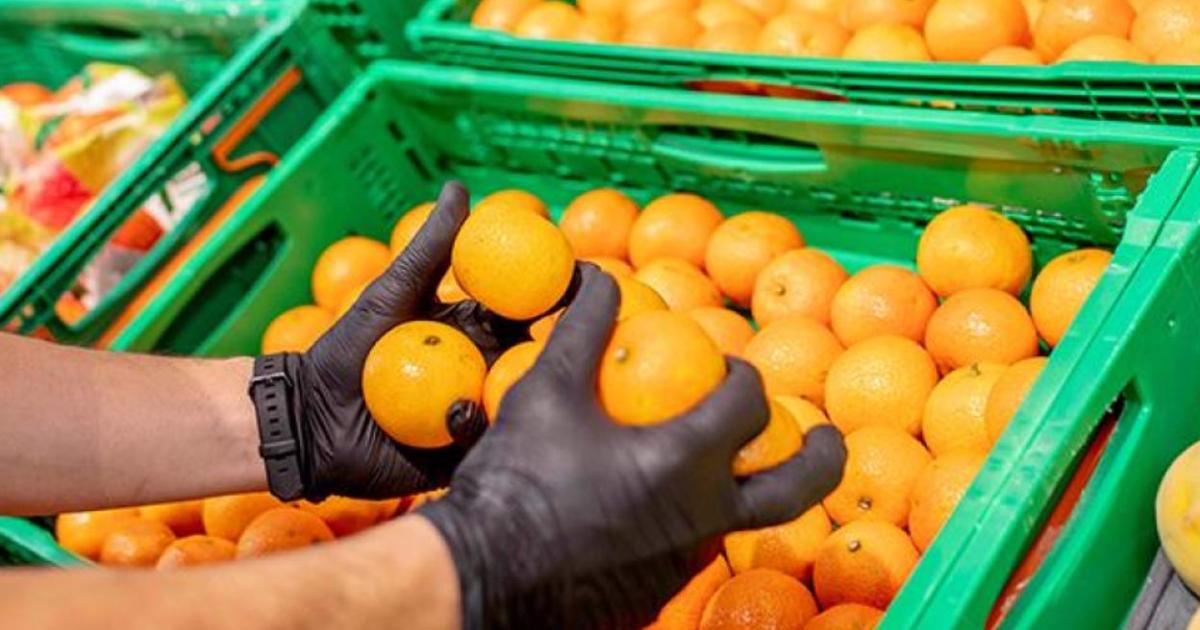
82, 429
397, 575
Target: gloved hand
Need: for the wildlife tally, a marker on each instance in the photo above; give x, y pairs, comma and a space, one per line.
561, 518
341, 449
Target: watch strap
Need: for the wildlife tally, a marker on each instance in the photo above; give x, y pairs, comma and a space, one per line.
271, 392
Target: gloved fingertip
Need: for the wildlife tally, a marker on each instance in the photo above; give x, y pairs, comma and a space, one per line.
466, 422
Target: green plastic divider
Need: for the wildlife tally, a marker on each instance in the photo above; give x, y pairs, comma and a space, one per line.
1167, 95
234, 131
859, 182
24, 542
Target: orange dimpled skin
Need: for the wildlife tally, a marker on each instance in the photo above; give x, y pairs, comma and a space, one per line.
296, 329
598, 223
657, 365
780, 440
83, 533
954, 414
612, 266
501, 15
598, 28
673, 226
806, 414
282, 529
739, 37
846, 617
227, 517
549, 20
1104, 48
136, 543
1062, 287
882, 465
794, 355
883, 380
798, 282
730, 331
635, 9
861, 14
882, 300
980, 326
345, 265
765, 9
714, 13
412, 377
505, 372
343, 515
1064, 22
1008, 393
408, 226
514, 198
742, 246
966, 30
667, 28
684, 610
194, 551
803, 35
183, 517
1162, 25
865, 562
760, 598
608, 7
789, 548
971, 247
1012, 56
680, 284
887, 42
938, 490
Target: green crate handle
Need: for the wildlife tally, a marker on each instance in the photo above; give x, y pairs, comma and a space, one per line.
767, 157
112, 43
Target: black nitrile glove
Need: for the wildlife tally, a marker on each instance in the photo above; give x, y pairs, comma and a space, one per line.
561, 518
341, 449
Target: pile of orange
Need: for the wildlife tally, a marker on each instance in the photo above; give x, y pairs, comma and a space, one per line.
190, 533
1003, 32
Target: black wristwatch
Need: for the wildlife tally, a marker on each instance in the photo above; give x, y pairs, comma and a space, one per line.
272, 393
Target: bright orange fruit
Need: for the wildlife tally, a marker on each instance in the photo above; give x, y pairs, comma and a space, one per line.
953, 417
881, 300
881, 381
971, 247
673, 226
798, 282
1062, 287
598, 223
882, 464
980, 326
865, 562
794, 355
742, 246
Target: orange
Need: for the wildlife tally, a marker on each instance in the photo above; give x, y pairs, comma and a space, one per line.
26, 94
515, 198
778, 441
1033, 11
887, 42
501, 15
505, 372
1104, 48
389, 508
730, 331
196, 550
860, 14
345, 265
541, 329
788, 548
610, 7
1062, 287
549, 20
136, 543
939, 489
598, 222
1166, 24
677, 225
408, 226
448, 290
683, 611
799, 282
282, 529
953, 416
883, 380
765, 9
343, 515
1064, 22
679, 283
414, 374
865, 562
513, 262
657, 365
667, 28
806, 414
971, 247
1185, 54
742, 246
965, 30
794, 355
829, 8
635, 9
349, 300
612, 266
226, 517
881, 300
714, 13
740, 37
759, 598
803, 35
1012, 56
846, 617
83, 533
882, 464
1008, 393
980, 325
598, 28
183, 517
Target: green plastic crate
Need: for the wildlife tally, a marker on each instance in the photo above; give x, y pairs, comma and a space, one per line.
25, 542
859, 182
1168, 95
233, 132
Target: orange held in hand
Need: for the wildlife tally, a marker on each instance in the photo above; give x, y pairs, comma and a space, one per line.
658, 365
780, 440
865, 562
798, 282
760, 598
413, 376
673, 226
514, 198
882, 464
345, 265
505, 372
789, 548
742, 246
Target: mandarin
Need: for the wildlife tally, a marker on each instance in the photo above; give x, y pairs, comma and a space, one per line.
83, 533
887, 42
183, 517
829, 8
343, 515
730, 331
448, 290
759, 598
971, 247
798, 282
666, 28
282, 529
407, 227
980, 325
742, 246
939, 489
780, 440
1008, 393
598, 28
806, 414
345, 265
1166, 24
966, 30
549, 20
505, 372
793, 355
739, 37
1062, 287
1012, 56
882, 464
765, 9
598, 223
226, 517
684, 610
846, 617
514, 198
881, 300
1104, 48
612, 266
501, 15
714, 13
860, 14
635, 9
803, 35
136, 543
196, 550
883, 380
789, 548
1185, 54
865, 562
1064, 22
679, 283
953, 416
677, 225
